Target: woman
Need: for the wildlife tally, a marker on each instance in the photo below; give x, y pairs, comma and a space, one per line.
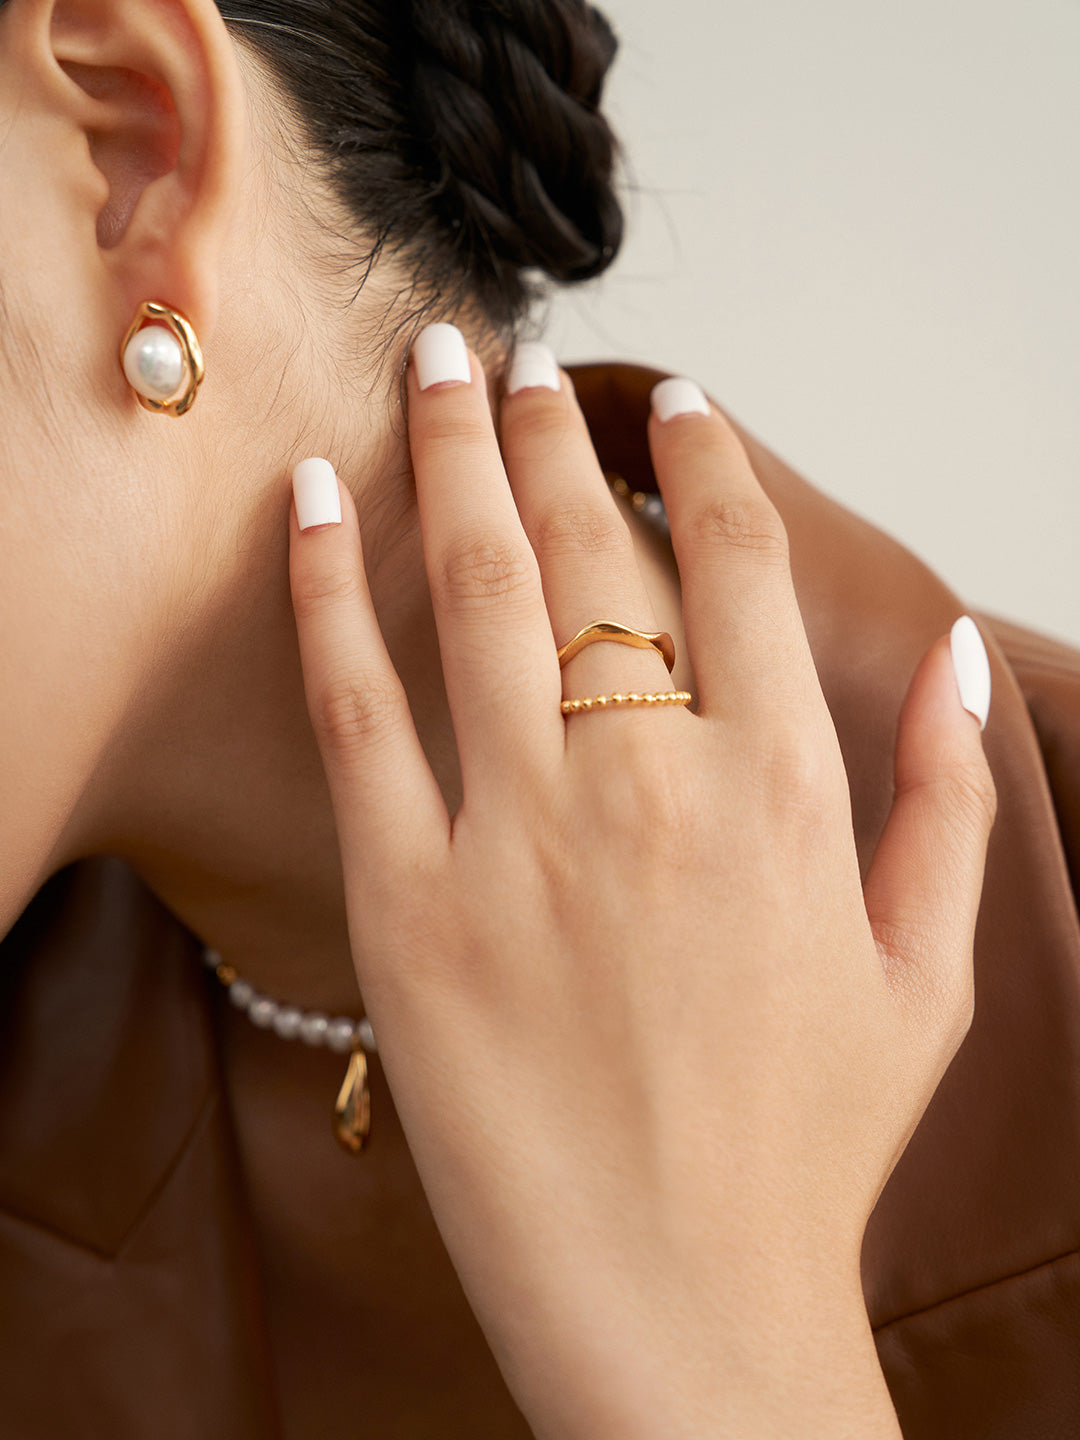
659, 993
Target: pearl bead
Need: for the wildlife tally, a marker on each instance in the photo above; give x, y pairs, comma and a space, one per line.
154, 362
261, 1011
313, 1027
287, 1021
241, 993
340, 1033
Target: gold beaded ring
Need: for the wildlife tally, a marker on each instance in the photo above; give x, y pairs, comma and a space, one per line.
602, 702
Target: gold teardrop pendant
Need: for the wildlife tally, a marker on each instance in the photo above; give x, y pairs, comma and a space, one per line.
352, 1112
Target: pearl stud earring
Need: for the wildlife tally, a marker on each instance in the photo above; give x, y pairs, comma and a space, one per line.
162, 361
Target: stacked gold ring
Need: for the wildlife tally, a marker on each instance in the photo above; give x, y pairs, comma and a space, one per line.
601, 702
596, 630
612, 630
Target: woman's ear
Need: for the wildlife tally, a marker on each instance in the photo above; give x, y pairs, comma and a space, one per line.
154, 120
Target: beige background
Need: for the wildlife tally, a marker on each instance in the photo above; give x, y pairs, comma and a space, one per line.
858, 224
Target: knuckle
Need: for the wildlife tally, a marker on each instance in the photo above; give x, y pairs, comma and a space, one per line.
484, 569
538, 426
653, 799
953, 1010
970, 789
796, 774
748, 524
582, 530
962, 1010
674, 813
454, 427
355, 710
325, 589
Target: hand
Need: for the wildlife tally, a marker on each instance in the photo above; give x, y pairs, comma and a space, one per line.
654, 1047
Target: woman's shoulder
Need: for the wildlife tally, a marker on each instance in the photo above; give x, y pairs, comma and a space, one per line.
1047, 669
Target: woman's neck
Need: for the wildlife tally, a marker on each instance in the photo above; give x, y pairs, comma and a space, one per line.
201, 769
231, 822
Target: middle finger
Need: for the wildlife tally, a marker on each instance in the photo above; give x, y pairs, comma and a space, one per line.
499, 666
585, 549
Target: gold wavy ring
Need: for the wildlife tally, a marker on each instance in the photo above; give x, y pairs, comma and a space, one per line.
612, 630
602, 702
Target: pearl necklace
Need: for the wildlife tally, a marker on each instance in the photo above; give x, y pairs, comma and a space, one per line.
352, 1109
340, 1033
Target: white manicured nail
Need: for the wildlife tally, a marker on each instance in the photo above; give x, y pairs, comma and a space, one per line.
533, 363
678, 396
441, 355
315, 489
972, 666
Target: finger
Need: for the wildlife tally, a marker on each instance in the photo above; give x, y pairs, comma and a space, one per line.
924, 884
580, 538
387, 802
498, 656
745, 635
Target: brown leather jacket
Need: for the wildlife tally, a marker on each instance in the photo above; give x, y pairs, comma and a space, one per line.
130, 1303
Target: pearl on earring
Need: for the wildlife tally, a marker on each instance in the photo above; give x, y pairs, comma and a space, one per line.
161, 359
154, 363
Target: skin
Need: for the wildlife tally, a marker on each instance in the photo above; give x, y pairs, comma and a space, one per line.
162, 716
190, 683
729, 1108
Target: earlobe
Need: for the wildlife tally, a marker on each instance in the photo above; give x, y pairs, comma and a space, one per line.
160, 100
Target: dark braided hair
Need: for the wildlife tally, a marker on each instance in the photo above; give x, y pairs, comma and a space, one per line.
464, 135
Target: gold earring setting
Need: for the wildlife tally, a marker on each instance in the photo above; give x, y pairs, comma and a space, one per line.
162, 360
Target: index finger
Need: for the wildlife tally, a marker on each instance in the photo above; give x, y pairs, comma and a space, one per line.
387, 802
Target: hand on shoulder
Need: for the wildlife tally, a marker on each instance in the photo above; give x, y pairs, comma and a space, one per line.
655, 1047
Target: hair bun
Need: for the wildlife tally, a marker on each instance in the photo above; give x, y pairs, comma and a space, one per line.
505, 95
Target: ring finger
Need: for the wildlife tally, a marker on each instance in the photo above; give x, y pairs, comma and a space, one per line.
584, 547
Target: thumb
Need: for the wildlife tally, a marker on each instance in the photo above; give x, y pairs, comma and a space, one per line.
924, 885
